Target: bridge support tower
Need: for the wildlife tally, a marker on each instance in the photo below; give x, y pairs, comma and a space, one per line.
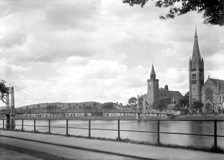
10, 109
138, 109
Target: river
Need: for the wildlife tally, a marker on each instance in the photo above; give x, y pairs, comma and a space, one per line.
194, 127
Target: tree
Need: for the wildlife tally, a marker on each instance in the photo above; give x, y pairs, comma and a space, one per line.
213, 10
185, 100
160, 104
197, 105
109, 105
132, 101
3, 90
140, 102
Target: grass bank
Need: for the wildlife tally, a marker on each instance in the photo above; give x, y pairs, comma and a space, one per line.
33, 153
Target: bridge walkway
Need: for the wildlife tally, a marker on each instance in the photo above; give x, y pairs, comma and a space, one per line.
109, 147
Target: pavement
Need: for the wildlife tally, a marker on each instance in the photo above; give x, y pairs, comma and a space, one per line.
133, 151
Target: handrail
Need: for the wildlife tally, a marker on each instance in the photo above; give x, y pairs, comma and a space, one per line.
158, 132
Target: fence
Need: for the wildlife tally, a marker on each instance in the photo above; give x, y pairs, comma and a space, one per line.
158, 132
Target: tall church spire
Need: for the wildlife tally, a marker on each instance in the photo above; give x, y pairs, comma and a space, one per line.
153, 74
196, 73
196, 57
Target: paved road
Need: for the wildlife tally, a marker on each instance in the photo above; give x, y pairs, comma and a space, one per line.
114, 148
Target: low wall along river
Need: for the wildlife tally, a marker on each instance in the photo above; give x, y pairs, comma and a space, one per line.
133, 130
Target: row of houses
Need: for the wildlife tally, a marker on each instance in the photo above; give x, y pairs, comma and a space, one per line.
114, 113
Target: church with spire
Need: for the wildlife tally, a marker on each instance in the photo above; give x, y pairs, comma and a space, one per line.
155, 93
196, 73
211, 92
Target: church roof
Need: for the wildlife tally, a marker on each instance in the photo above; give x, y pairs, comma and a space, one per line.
171, 94
217, 82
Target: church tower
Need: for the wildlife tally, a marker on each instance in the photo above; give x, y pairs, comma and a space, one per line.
153, 87
196, 73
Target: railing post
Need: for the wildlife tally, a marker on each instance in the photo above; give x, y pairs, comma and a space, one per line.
3, 124
12, 125
7, 122
22, 124
118, 129
158, 132
215, 134
66, 127
49, 126
89, 128
34, 121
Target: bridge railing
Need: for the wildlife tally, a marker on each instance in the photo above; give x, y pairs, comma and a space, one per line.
89, 128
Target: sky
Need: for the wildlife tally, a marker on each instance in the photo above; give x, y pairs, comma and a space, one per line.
99, 50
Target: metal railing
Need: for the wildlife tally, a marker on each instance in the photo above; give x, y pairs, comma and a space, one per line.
158, 132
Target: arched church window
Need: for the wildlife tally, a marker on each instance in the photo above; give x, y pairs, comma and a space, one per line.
209, 94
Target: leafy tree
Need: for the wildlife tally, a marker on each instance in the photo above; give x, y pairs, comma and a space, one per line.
3, 90
132, 100
160, 104
140, 102
213, 10
108, 105
197, 105
185, 100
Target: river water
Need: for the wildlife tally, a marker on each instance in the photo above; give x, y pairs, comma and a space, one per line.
80, 128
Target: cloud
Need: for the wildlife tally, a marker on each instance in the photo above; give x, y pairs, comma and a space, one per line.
72, 15
11, 39
20, 6
99, 50
82, 79
11, 72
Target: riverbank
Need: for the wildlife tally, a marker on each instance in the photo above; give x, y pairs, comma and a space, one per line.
178, 117
200, 117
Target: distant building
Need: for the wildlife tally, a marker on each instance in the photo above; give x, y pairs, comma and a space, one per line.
156, 93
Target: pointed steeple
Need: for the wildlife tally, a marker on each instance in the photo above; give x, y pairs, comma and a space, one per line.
196, 52
190, 62
153, 74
